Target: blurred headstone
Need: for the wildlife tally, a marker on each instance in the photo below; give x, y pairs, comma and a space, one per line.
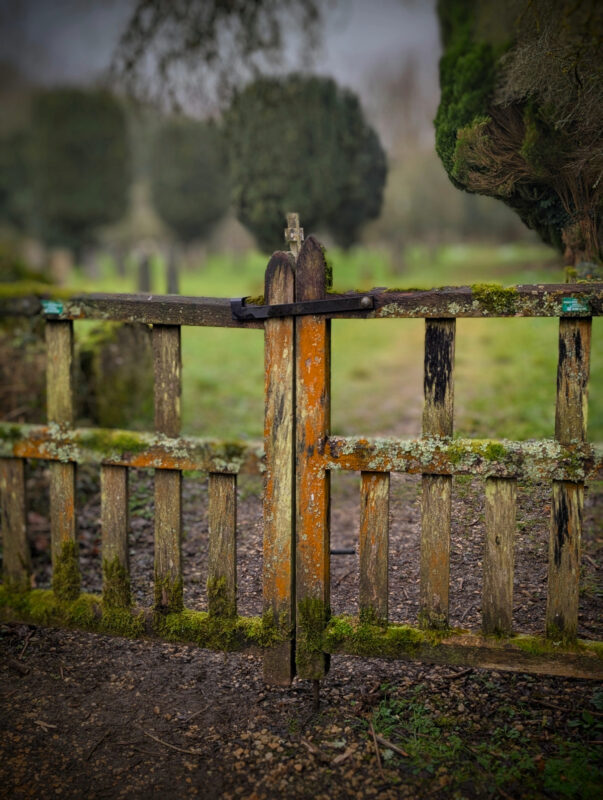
144, 274
171, 271
60, 262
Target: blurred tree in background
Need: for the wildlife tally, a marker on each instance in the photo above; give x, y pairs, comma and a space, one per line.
521, 113
189, 177
15, 192
80, 164
303, 143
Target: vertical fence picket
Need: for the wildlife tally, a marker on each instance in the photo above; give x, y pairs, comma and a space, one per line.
374, 543
16, 562
436, 502
114, 524
568, 497
497, 587
168, 483
312, 493
59, 398
222, 572
279, 480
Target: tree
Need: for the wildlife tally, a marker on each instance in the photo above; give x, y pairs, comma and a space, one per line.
198, 50
189, 177
521, 113
80, 164
302, 143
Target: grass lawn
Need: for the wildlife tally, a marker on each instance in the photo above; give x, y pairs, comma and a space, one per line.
505, 369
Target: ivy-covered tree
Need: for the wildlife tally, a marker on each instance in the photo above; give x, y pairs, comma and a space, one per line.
303, 143
521, 113
80, 164
189, 177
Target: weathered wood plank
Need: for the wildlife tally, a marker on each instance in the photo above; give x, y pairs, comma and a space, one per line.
461, 648
568, 497
542, 460
374, 546
115, 528
497, 588
129, 449
222, 572
279, 477
168, 483
313, 372
564, 560
60, 410
436, 506
462, 301
16, 561
572, 380
530, 654
438, 416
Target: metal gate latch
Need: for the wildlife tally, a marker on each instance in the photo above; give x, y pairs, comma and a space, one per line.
242, 312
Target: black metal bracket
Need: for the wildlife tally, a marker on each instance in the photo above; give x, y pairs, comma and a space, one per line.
243, 312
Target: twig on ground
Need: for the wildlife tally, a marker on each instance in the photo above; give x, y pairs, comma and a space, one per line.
453, 676
17, 666
377, 753
466, 611
97, 745
25, 645
343, 577
342, 756
172, 746
392, 746
195, 714
591, 560
44, 725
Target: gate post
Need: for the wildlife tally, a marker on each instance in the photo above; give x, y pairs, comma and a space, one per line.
279, 481
313, 417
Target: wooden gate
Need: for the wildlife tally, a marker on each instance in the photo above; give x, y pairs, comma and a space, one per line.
296, 631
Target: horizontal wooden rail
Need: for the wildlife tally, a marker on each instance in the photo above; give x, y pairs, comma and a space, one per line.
541, 460
479, 300
129, 449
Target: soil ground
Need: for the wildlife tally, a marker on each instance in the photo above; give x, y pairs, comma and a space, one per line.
98, 717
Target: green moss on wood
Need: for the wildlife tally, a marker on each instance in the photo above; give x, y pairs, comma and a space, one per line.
217, 633
168, 594
116, 584
66, 580
312, 616
361, 638
34, 288
110, 443
219, 600
433, 620
255, 300
496, 299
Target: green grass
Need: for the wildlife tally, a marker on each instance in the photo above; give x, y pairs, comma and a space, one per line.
511, 751
506, 369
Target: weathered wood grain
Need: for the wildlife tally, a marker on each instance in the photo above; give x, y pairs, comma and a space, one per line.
168, 483
60, 411
313, 373
374, 546
436, 496
497, 588
572, 380
16, 561
222, 571
279, 477
450, 302
564, 560
568, 497
542, 460
114, 531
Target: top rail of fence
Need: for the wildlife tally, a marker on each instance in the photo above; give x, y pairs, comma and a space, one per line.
478, 300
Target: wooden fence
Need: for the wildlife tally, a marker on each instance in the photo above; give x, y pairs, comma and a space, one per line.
296, 631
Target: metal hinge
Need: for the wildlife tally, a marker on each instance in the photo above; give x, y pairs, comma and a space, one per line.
242, 312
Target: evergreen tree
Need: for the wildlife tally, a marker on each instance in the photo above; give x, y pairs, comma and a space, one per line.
189, 178
521, 113
302, 143
80, 164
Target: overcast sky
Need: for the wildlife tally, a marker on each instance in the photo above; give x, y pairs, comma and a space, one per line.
55, 41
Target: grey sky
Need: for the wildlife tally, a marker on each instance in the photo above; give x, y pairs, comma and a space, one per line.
72, 41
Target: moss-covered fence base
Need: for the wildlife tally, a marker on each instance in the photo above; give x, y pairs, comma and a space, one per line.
88, 613
343, 635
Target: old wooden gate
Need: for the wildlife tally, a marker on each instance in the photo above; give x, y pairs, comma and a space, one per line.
296, 631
